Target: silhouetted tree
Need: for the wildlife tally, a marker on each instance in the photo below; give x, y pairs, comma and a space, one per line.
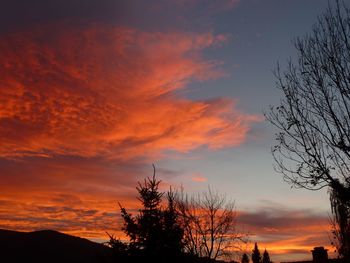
313, 118
154, 232
245, 258
173, 232
119, 248
341, 225
210, 224
266, 257
256, 257
197, 229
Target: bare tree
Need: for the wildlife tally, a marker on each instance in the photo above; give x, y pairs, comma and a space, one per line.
313, 118
341, 225
210, 224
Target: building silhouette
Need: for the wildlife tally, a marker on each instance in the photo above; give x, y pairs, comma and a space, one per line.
319, 255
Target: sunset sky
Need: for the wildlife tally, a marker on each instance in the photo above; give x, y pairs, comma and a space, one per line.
93, 92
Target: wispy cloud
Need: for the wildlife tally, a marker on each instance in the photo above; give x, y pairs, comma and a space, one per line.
199, 178
109, 92
82, 109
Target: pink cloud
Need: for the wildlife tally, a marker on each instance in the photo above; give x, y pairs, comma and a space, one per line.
109, 92
83, 109
199, 178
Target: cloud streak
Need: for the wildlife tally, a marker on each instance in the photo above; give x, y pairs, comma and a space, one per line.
110, 92
83, 108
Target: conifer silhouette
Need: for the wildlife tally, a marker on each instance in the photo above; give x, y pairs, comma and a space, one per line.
256, 257
154, 233
266, 257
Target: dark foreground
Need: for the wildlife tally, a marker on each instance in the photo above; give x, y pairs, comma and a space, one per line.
50, 246
55, 247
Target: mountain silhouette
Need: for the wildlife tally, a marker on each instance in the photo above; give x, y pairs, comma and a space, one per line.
50, 246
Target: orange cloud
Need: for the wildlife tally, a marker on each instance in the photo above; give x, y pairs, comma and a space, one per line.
81, 111
199, 178
105, 91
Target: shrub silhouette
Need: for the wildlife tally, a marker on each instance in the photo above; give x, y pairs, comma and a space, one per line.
245, 258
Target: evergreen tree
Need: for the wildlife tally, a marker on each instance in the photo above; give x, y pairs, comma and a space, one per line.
149, 219
256, 257
266, 257
245, 258
144, 230
173, 232
155, 232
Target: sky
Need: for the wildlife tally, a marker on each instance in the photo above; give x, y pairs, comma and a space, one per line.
92, 93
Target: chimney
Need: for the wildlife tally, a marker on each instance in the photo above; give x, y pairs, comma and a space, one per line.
319, 255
